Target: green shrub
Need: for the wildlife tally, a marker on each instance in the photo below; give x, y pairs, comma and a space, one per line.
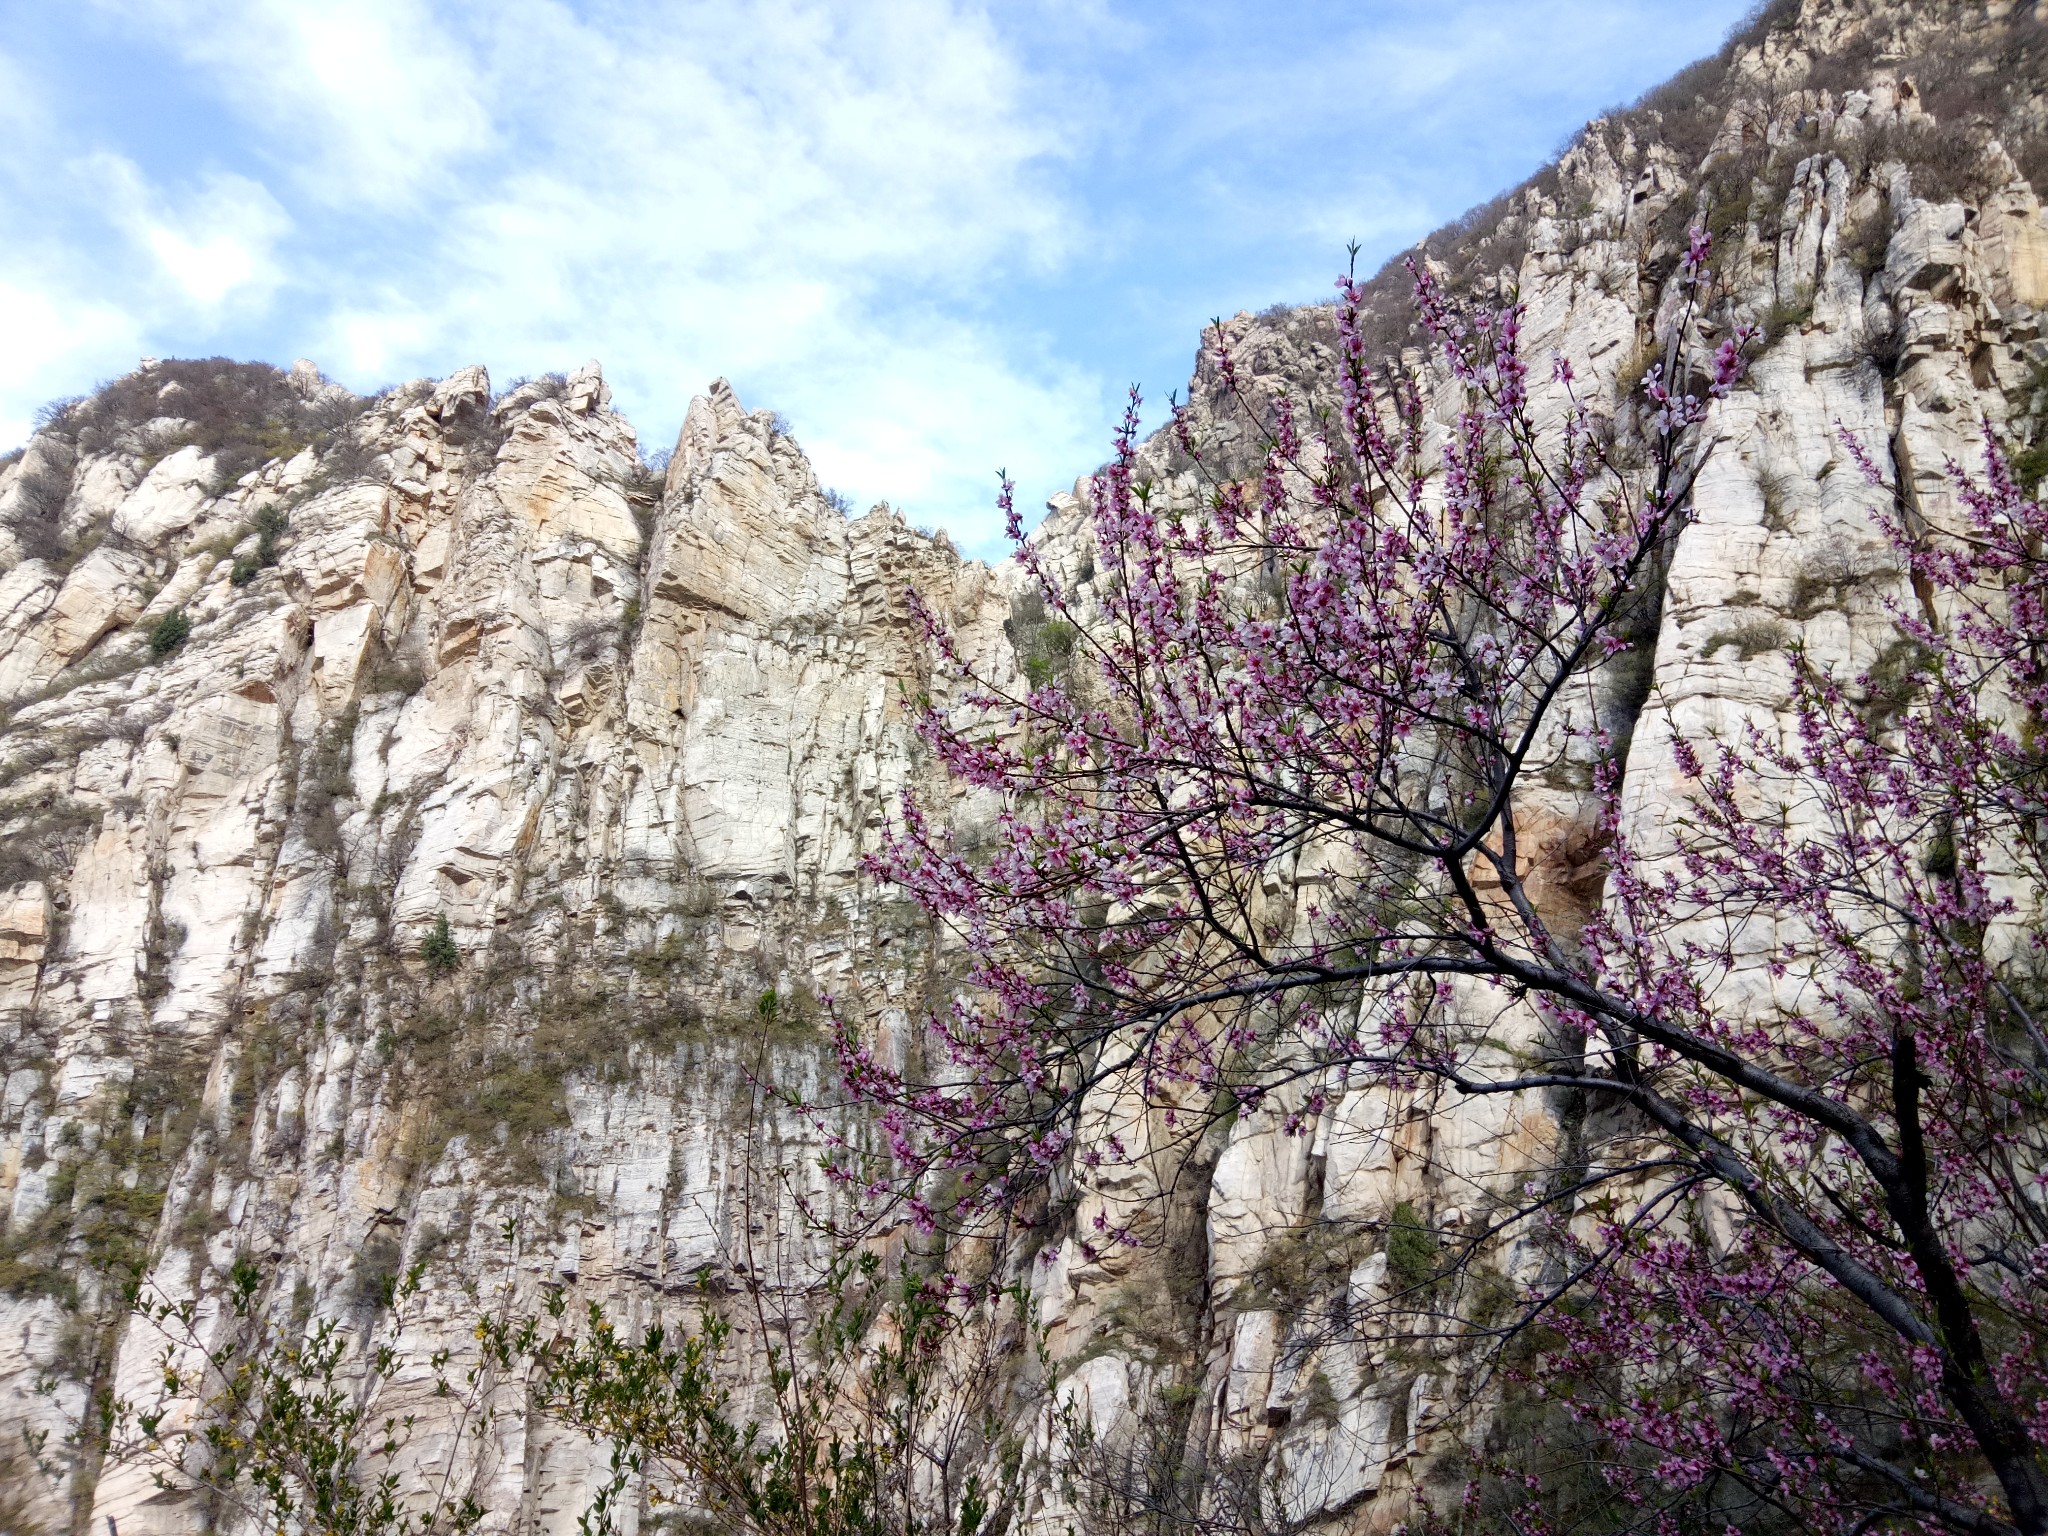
269, 524
1785, 316
377, 1272
1411, 1249
2030, 466
1044, 645
438, 949
395, 674
1894, 680
169, 632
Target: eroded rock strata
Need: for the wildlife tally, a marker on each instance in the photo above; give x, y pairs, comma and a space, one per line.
446, 655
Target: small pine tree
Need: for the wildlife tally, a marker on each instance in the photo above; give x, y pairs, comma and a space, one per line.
438, 949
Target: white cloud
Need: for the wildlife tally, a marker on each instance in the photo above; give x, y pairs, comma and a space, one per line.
360, 102
848, 207
93, 260
816, 199
213, 242
927, 422
47, 334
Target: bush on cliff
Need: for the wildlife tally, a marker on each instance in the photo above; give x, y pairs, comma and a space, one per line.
438, 949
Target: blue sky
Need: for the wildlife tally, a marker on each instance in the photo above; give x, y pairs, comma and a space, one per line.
939, 237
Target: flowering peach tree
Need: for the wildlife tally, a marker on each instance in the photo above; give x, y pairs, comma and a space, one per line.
1796, 1273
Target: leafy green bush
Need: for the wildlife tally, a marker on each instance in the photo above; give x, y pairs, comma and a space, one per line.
1044, 645
438, 949
855, 1413
280, 1420
269, 524
1751, 638
169, 632
1411, 1249
2030, 466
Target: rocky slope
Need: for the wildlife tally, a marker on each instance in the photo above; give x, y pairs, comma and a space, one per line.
296, 677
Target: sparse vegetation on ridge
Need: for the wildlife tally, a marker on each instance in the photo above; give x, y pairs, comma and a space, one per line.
240, 415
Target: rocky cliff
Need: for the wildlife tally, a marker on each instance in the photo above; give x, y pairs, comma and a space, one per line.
302, 683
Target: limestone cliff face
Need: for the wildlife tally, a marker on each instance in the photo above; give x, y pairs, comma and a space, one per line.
628, 737
464, 659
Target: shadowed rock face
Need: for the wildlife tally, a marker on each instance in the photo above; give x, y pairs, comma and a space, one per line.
631, 735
